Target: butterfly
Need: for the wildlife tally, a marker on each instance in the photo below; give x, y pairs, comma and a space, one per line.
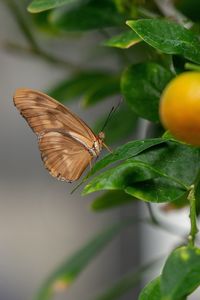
66, 142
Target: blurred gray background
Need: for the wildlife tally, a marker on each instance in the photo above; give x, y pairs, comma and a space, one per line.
40, 222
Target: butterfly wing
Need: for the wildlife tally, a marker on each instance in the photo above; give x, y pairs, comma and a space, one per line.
64, 157
44, 114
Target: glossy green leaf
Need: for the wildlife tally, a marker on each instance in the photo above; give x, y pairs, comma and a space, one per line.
181, 273
121, 176
114, 130
168, 37
175, 159
111, 199
184, 169
78, 85
63, 276
176, 204
37, 6
107, 87
151, 291
124, 152
139, 180
124, 40
157, 190
142, 85
151, 175
127, 283
89, 16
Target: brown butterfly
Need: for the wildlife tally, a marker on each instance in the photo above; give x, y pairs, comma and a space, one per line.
66, 142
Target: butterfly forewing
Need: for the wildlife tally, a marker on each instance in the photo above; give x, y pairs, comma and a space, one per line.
44, 113
65, 141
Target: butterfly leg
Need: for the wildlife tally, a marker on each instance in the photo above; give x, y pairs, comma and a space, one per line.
90, 164
108, 148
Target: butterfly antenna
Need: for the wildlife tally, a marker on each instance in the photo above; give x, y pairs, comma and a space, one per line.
108, 118
111, 113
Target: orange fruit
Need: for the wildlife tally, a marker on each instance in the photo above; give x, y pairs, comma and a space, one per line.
180, 108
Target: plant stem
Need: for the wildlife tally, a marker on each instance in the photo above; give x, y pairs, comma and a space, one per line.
152, 215
194, 229
34, 48
168, 10
42, 55
193, 67
22, 23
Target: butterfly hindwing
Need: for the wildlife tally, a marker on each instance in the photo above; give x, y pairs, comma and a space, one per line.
63, 156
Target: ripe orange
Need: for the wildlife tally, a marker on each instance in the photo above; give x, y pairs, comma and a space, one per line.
180, 107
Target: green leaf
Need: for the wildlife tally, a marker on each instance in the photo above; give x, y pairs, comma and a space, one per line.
63, 276
37, 6
138, 180
111, 199
151, 175
168, 37
107, 87
176, 178
124, 152
79, 85
181, 273
127, 283
124, 40
89, 16
114, 130
151, 291
121, 176
175, 159
177, 204
157, 190
142, 85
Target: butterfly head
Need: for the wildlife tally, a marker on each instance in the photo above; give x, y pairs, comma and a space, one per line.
101, 135
97, 146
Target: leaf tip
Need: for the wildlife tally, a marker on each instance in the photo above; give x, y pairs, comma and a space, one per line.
130, 23
31, 9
